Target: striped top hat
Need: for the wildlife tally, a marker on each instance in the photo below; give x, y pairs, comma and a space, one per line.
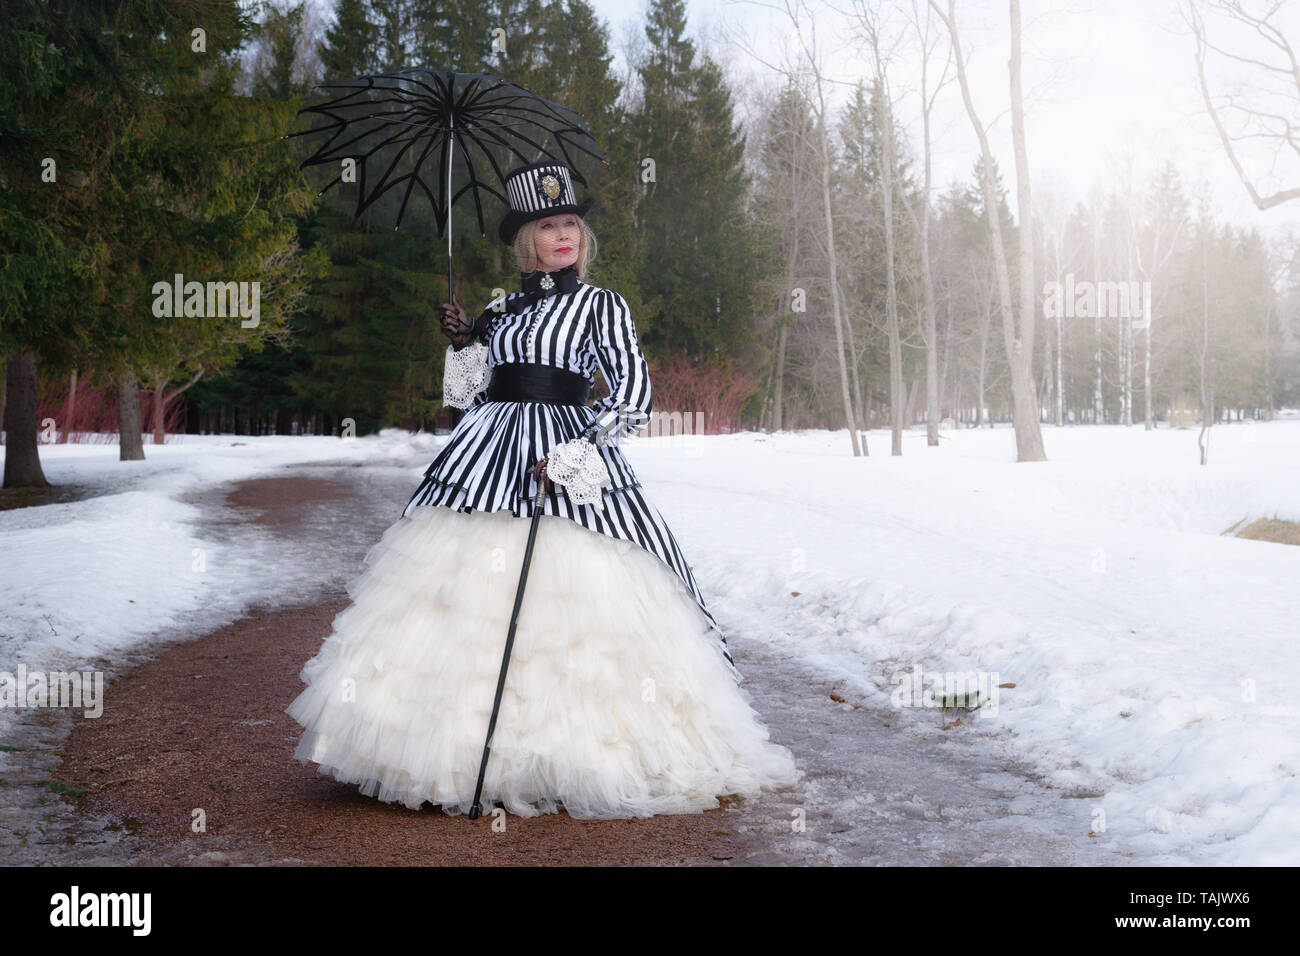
537, 191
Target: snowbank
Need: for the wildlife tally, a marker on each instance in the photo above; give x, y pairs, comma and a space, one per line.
1154, 659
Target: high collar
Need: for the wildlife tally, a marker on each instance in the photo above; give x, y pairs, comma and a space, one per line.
562, 280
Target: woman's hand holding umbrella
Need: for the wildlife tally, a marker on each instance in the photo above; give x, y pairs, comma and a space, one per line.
456, 325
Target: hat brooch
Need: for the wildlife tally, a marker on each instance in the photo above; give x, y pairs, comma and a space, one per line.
549, 187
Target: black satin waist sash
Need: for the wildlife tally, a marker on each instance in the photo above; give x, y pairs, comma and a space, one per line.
530, 382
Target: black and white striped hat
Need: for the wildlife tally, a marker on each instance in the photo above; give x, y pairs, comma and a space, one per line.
538, 191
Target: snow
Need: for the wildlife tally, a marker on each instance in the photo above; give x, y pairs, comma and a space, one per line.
106, 573
1151, 655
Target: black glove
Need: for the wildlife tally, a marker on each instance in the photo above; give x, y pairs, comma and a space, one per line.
455, 324
458, 328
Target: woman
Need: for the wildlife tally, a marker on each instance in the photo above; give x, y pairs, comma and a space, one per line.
621, 698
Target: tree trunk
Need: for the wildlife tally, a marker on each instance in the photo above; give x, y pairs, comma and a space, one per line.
1098, 400
1029, 438
778, 418
1060, 386
983, 370
853, 367
159, 410
834, 275
1268, 362
765, 416
927, 286
1207, 403
896, 397
1146, 369
1047, 384
22, 458
69, 409
1028, 409
1126, 355
130, 438
913, 396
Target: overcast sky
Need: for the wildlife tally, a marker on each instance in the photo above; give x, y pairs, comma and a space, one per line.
1107, 82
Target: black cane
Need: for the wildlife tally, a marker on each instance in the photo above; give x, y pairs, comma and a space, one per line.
510, 641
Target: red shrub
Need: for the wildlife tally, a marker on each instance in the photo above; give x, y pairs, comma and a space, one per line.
94, 417
718, 393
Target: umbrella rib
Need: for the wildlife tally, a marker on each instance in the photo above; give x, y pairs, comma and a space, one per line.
473, 182
415, 178
484, 115
322, 157
384, 185
539, 148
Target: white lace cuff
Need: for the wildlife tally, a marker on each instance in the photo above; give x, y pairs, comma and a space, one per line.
464, 374
578, 467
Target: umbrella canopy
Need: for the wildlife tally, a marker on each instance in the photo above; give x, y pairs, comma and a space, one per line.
421, 139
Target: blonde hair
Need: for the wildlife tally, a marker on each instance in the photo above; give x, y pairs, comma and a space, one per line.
526, 252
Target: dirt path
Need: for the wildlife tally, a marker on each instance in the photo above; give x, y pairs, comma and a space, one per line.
202, 728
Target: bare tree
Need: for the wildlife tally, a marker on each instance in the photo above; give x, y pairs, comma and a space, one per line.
1276, 77
782, 199
1164, 230
804, 24
871, 24
1207, 401
1020, 347
927, 40
1054, 227
871, 18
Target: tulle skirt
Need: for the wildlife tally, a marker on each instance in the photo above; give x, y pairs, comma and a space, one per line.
618, 701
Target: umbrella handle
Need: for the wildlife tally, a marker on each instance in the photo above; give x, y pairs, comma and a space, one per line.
451, 139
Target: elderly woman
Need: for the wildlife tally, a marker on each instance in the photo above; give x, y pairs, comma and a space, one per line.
621, 698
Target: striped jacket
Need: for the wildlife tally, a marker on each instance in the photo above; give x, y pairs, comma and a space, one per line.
487, 462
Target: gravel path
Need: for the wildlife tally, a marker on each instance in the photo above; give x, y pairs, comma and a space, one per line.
199, 730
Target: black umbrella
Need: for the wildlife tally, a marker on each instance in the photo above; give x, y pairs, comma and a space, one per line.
411, 132
392, 126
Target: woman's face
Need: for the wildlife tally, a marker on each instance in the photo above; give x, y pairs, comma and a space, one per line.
555, 240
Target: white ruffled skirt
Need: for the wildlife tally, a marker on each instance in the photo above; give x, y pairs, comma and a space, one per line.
618, 701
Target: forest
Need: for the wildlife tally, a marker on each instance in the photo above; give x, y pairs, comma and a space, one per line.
790, 260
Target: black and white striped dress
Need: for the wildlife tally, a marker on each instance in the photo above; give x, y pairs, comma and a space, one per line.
487, 462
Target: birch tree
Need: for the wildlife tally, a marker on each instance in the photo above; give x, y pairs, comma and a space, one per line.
810, 64
1018, 339
1268, 113
783, 200
871, 25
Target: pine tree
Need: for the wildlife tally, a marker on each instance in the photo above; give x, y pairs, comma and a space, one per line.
281, 33
699, 251
348, 50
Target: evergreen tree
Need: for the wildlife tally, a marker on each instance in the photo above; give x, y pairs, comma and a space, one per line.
699, 251
281, 31
160, 170
348, 50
